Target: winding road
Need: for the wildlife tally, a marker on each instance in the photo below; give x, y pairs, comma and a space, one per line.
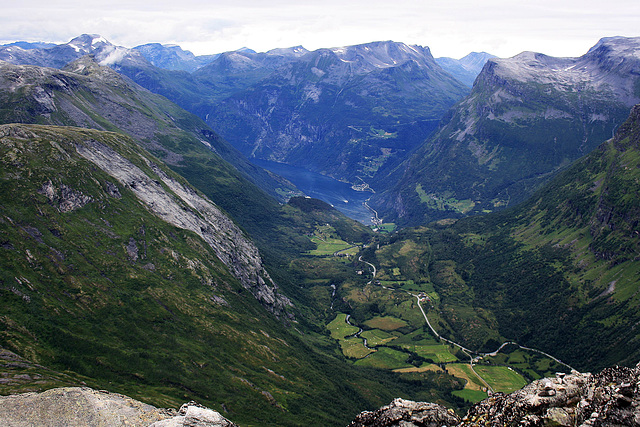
372, 266
465, 350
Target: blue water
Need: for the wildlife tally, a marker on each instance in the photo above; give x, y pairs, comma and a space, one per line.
339, 194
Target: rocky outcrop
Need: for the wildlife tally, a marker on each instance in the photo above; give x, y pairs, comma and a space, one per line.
194, 415
77, 406
65, 199
407, 413
82, 406
610, 398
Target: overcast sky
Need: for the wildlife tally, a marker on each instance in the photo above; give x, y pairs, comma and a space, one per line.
449, 27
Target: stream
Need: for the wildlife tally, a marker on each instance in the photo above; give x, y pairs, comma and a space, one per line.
357, 334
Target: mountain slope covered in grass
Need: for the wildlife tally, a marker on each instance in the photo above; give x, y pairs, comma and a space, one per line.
86, 94
560, 272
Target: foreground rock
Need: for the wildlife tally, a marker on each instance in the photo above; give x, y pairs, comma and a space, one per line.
407, 413
82, 406
610, 398
193, 415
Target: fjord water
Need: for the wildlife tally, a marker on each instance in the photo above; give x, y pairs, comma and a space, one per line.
337, 193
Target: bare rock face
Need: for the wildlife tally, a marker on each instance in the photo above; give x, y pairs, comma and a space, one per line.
76, 406
194, 415
610, 398
406, 413
82, 406
65, 199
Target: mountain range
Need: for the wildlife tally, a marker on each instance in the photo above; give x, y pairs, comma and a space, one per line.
141, 251
359, 107
525, 118
172, 57
377, 101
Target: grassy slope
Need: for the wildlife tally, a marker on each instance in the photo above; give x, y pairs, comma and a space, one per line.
559, 272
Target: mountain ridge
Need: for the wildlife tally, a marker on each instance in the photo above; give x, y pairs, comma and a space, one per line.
529, 106
356, 106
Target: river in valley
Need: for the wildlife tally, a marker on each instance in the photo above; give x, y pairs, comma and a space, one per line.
337, 193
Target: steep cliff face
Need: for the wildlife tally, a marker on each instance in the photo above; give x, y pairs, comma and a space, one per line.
162, 193
609, 398
180, 205
526, 117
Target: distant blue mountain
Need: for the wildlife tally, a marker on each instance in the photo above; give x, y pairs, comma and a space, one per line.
173, 57
31, 45
465, 69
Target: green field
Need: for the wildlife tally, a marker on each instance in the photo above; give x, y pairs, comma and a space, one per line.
351, 347
463, 370
354, 348
386, 323
501, 378
532, 364
426, 346
423, 368
386, 228
439, 353
385, 358
328, 246
427, 288
444, 201
376, 337
473, 396
339, 327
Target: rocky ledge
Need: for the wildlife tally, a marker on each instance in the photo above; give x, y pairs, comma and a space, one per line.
610, 398
82, 406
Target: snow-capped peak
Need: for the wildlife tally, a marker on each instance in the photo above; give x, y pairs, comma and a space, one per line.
99, 40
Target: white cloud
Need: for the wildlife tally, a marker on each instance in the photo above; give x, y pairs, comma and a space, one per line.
450, 28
